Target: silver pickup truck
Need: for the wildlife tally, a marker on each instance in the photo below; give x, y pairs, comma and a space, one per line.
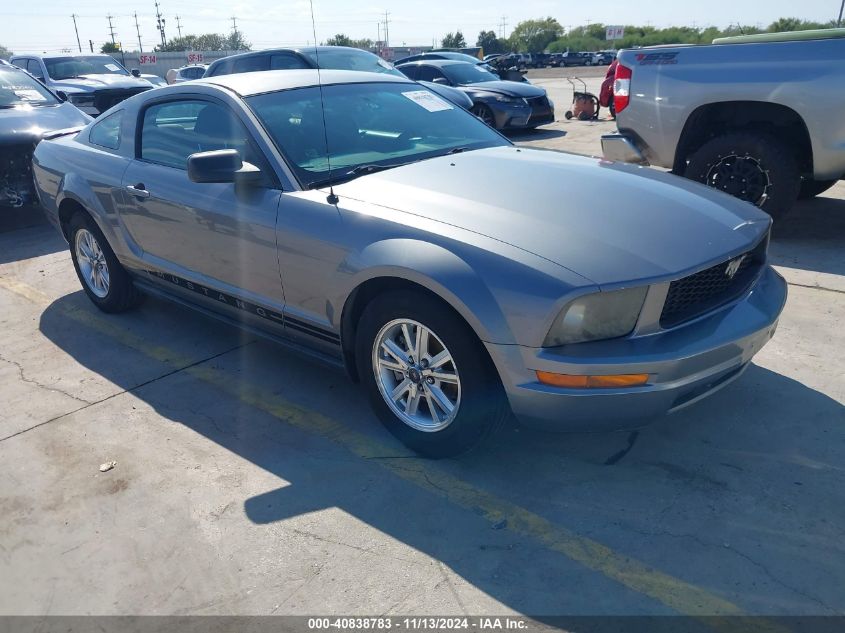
760, 117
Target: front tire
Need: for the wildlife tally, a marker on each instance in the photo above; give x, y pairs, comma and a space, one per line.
427, 376
484, 113
812, 188
104, 280
756, 168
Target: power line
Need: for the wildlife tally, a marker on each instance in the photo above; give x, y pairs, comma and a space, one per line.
78, 43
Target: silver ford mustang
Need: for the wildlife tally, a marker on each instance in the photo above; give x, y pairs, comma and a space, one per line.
381, 228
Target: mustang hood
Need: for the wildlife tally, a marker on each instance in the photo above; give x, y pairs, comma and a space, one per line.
27, 124
609, 222
89, 83
515, 88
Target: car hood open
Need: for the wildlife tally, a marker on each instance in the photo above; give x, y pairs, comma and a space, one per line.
609, 222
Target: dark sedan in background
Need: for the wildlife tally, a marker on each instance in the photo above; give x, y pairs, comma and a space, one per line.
324, 57
28, 111
501, 104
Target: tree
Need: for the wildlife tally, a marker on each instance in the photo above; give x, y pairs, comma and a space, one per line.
5, 53
454, 40
491, 44
534, 36
237, 42
179, 44
339, 40
110, 47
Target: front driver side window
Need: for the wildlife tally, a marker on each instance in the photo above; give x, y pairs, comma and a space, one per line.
429, 73
174, 130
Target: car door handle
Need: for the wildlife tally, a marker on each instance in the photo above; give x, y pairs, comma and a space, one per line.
138, 190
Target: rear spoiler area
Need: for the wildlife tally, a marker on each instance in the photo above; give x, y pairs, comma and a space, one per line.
64, 132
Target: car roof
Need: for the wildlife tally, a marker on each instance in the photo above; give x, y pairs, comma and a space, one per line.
288, 49
63, 55
247, 84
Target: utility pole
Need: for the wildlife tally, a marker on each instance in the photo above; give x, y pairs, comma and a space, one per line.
138, 31
160, 25
839, 21
78, 43
503, 25
179, 26
91, 44
386, 30
111, 29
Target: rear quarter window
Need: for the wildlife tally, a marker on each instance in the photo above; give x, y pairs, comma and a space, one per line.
106, 132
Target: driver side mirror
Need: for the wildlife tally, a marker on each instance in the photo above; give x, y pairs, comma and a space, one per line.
135, 72
62, 95
222, 165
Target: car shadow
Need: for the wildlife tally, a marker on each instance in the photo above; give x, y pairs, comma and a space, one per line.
695, 495
537, 134
33, 240
812, 235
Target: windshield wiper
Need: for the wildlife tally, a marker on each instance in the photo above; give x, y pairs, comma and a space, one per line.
457, 150
359, 170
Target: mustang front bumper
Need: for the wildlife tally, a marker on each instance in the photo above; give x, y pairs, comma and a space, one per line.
684, 365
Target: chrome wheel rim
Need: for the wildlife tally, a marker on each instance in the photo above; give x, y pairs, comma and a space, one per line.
742, 177
416, 375
92, 263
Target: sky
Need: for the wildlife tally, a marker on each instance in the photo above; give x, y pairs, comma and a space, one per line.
46, 25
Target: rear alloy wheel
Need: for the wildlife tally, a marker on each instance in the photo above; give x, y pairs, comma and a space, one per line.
484, 113
428, 377
753, 167
104, 280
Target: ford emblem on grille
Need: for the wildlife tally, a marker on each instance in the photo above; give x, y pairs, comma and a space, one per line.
733, 266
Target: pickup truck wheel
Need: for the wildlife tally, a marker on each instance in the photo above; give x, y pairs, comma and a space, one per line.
104, 280
812, 188
756, 168
427, 376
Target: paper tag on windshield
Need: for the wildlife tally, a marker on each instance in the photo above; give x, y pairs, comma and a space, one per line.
113, 67
30, 95
427, 100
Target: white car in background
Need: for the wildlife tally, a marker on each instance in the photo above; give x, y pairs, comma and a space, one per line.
186, 73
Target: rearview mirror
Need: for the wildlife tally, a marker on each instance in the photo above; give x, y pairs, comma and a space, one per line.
222, 165
135, 72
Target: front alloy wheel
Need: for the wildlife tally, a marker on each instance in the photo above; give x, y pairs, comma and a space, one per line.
428, 377
416, 375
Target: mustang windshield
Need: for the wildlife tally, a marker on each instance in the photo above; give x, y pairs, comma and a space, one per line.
369, 126
67, 67
19, 89
346, 59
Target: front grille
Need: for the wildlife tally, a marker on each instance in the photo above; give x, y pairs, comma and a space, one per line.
538, 102
105, 99
708, 289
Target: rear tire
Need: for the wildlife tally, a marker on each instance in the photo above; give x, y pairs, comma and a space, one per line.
467, 380
103, 278
756, 168
812, 188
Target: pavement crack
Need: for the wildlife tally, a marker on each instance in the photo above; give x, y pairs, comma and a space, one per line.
811, 287
128, 390
617, 457
40, 385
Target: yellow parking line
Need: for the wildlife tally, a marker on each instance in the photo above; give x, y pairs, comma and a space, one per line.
677, 594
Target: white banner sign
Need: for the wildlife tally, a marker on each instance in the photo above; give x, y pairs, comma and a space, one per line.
614, 33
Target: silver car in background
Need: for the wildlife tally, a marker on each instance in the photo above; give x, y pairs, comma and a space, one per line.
392, 242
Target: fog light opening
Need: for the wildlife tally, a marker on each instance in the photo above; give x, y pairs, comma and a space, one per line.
572, 381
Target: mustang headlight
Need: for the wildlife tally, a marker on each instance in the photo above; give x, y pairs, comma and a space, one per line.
597, 316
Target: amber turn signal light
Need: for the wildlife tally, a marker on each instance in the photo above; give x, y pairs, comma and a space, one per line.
571, 381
